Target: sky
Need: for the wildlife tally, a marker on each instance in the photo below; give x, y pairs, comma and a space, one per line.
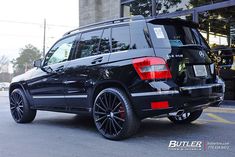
21, 23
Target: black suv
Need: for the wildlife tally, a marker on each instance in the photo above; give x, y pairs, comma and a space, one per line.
120, 72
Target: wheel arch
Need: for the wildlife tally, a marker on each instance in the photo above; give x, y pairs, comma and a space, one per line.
14, 86
20, 85
107, 84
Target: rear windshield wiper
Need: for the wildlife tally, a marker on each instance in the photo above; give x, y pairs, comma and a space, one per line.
194, 45
190, 45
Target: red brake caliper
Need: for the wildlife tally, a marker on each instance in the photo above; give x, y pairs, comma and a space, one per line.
122, 112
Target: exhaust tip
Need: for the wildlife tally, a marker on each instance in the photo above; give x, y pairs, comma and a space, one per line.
177, 113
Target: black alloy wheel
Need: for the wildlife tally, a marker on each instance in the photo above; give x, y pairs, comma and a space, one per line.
20, 109
113, 115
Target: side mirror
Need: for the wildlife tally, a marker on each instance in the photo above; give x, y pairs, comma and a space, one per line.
37, 63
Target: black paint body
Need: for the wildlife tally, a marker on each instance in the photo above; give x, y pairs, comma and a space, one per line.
71, 86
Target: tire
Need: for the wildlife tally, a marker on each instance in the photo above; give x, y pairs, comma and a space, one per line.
20, 108
186, 118
113, 115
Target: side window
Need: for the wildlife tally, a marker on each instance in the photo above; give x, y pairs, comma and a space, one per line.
140, 38
60, 51
104, 42
120, 38
89, 44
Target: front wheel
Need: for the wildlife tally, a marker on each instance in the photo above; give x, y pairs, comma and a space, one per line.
185, 118
20, 109
113, 114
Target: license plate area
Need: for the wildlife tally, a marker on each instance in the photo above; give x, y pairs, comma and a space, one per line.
200, 70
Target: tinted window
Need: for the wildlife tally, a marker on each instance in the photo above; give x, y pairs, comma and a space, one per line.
179, 35
139, 36
89, 44
175, 36
60, 51
104, 43
120, 38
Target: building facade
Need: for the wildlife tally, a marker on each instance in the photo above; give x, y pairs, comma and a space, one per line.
91, 11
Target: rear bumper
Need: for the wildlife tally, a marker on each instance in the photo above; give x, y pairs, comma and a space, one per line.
187, 98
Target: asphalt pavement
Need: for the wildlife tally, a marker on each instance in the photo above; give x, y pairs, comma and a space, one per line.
68, 135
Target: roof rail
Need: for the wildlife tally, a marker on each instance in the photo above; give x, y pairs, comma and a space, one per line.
132, 18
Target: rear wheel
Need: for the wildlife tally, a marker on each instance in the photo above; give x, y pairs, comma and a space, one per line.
20, 109
113, 114
186, 117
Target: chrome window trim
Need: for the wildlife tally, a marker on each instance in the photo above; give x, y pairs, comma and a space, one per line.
59, 96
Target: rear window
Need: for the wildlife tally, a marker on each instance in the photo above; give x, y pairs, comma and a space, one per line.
167, 36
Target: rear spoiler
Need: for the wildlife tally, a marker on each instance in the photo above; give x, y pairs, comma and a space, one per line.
169, 21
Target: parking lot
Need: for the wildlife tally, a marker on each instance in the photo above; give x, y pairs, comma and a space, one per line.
68, 135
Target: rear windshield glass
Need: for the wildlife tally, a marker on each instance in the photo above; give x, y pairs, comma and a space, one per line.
175, 36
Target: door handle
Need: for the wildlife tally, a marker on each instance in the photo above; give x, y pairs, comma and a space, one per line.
97, 60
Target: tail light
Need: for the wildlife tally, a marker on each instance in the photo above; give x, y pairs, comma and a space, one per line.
151, 68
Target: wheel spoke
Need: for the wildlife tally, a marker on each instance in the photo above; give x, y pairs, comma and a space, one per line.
120, 119
110, 127
115, 113
14, 113
118, 105
12, 104
103, 103
114, 127
20, 102
13, 100
16, 98
117, 124
110, 102
100, 107
100, 113
114, 100
99, 119
106, 126
105, 99
102, 124
12, 108
20, 112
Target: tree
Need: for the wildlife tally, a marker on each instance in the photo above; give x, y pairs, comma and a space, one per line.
144, 7
4, 62
5, 76
25, 61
